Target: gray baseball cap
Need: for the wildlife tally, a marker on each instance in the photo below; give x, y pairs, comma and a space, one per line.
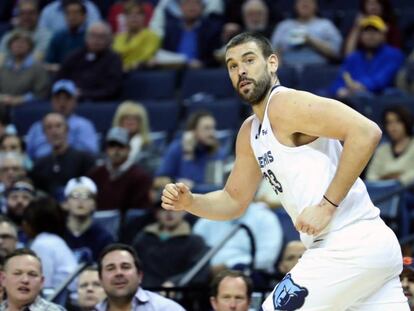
118, 135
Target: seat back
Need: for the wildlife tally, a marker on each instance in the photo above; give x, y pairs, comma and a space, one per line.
157, 84
215, 82
110, 220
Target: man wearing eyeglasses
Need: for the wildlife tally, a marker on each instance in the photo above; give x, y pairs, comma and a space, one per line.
85, 238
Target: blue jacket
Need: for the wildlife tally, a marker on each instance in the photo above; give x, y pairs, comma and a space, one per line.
175, 164
376, 73
207, 37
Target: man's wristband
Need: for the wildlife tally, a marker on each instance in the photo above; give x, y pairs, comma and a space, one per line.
336, 205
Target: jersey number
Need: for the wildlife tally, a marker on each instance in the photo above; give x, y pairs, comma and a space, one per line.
271, 178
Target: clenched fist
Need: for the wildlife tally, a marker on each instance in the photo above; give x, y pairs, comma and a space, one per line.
314, 219
176, 197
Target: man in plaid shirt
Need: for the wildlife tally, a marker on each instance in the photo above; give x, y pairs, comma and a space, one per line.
23, 281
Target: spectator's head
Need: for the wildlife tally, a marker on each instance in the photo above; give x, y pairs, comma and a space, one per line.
398, 123
306, 9
168, 220
55, 128
382, 8
20, 44
80, 193
98, 37
22, 278
373, 32
12, 143
64, 97
255, 15
43, 215
75, 13
27, 14
407, 280
18, 198
192, 10
90, 290
291, 254
8, 236
231, 291
117, 146
120, 271
252, 82
135, 16
133, 117
11, 168
203, 125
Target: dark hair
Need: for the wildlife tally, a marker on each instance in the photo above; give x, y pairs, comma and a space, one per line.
21, 252
119, 247
404, 115
387, 10
21, 141
295, 14
44, 215
32, 2
20, 34
232, 274
250, 36
131, 5
195, 118
81, 4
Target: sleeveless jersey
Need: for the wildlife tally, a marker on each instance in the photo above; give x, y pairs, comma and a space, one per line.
301, 175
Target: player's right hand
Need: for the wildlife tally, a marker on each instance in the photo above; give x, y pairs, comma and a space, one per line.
176, 197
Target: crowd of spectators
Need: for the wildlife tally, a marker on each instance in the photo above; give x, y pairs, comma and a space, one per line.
58, 179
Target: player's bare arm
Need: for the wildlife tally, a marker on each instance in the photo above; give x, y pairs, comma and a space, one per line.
224, 204
300, 117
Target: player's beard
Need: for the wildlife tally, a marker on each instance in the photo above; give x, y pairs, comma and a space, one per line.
259, 91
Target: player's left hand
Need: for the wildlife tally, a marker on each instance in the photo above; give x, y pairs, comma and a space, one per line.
314, 219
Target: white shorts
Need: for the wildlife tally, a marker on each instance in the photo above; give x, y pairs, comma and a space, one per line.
355, 268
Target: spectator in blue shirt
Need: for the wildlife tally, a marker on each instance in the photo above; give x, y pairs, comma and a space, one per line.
68, 40
82, 135
193, 35
372, 68
52, 16
187, 158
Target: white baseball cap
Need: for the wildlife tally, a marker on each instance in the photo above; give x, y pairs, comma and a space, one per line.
80, 182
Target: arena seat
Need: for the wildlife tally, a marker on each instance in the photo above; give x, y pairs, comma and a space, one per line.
215, 82
289, 231
227, 111
287, 76
110, 220
24, 116
157, 84
391, 203
315, 78
163, 115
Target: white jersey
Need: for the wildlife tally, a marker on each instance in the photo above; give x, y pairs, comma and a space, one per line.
301, 175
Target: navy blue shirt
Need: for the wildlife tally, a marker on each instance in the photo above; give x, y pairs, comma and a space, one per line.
176, 164
88, 245
63, 43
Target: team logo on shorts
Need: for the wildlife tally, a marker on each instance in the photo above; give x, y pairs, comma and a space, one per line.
289, 296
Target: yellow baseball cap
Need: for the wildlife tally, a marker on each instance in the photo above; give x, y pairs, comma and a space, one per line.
374, 22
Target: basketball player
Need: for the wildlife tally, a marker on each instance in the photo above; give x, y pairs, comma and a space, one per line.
353, 259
